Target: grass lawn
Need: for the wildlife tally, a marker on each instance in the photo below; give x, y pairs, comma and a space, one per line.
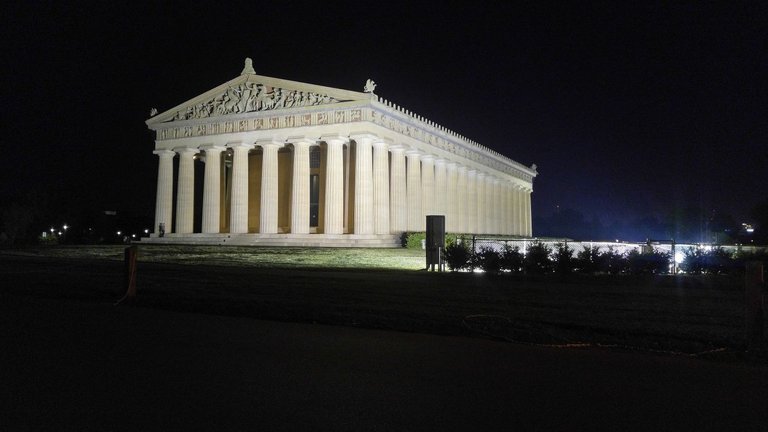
246, 256
384, 288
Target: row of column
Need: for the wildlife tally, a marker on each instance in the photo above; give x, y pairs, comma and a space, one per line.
472, 201
389, 195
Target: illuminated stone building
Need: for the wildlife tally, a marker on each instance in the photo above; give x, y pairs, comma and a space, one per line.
290, 163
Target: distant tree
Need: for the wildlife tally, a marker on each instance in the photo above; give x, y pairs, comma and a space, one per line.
537, 259
588, 260
653, 262
512, 259
17, 219
759, 215
563, 260
612, 262
693, 261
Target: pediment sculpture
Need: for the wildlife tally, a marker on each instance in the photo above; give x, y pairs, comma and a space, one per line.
252, 97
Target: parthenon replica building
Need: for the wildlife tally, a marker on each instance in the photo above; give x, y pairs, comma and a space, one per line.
290, 163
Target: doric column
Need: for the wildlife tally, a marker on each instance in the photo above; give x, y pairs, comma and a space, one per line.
519, 223
528, 216
398, 191
451, 215
164, 199
185, 194
238, 218
470, 210
380, 187
268, 204
498, 205
415, 221
480, 210
334, 185
511, 208
507, 209
441, 188
490, 205
300, 186
212, 189
427, 186
460, 204
363, 184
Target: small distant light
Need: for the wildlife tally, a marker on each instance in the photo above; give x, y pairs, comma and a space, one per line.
52, 229
617, 240
119, 232
146, 231
59, 232
65, 227
133, 235
679, 257
750, 230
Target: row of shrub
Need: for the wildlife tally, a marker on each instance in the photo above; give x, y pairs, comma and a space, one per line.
541, 259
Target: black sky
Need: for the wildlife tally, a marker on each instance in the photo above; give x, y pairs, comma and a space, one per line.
626, 109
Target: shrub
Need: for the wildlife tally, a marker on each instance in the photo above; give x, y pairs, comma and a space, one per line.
413, 239
588, 260
713, 261
457, 256
693, 261
511, 259
537, 260
489, 260
563, 259
653, 262
612, 262
718, 261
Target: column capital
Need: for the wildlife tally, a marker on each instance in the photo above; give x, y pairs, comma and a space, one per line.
212, 147
440, 161
470, 172
239, 144
334, 139
382, 142
165, 153
428, 158
300, 140
413, 153
363, 136
185, 150
480, 174
269, 142
451, 165
396, 147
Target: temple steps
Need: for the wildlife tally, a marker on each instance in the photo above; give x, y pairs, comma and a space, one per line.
295, 240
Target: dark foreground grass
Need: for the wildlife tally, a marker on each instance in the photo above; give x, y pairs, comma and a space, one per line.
678, 314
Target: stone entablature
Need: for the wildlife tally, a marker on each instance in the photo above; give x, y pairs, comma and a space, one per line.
379, 113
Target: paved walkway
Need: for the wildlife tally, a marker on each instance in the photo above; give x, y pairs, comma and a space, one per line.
69, 365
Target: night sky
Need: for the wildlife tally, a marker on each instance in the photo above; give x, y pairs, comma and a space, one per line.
627, 110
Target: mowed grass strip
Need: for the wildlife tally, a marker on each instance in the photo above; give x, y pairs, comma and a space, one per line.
267, 257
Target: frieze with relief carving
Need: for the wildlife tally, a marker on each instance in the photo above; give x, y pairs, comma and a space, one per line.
252, 97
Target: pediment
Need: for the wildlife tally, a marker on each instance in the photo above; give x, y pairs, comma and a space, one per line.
251, 93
